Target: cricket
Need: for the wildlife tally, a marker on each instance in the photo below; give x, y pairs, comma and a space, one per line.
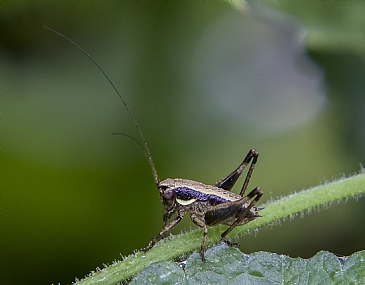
207, 205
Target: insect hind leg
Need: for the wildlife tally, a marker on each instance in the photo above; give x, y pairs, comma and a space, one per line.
228, 182
254, 155
257, 193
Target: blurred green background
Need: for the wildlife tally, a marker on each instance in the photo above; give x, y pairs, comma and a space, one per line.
206, 82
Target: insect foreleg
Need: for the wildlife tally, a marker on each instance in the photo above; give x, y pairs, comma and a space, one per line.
245, 214
228, 182
161, 235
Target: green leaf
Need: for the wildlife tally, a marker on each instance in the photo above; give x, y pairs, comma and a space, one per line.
229, 266
163, 272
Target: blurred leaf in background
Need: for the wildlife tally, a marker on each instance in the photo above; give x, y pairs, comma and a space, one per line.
206, 82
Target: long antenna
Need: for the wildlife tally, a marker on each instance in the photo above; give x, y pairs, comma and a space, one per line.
148, 154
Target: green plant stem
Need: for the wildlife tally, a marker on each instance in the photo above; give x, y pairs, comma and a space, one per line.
302, 202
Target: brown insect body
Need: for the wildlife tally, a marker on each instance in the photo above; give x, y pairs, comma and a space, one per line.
208, 205
206, 200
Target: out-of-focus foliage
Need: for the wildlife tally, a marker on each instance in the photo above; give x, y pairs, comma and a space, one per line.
74, 196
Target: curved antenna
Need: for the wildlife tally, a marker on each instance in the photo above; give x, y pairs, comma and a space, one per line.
148, 154
134, 140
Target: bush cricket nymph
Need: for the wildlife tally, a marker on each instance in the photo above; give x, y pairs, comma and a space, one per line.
208, 205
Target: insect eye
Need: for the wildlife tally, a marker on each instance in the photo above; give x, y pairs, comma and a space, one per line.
162, 188
168, 194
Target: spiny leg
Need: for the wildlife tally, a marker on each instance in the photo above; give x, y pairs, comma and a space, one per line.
255, 192
201, 224
161, 235
228, 182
